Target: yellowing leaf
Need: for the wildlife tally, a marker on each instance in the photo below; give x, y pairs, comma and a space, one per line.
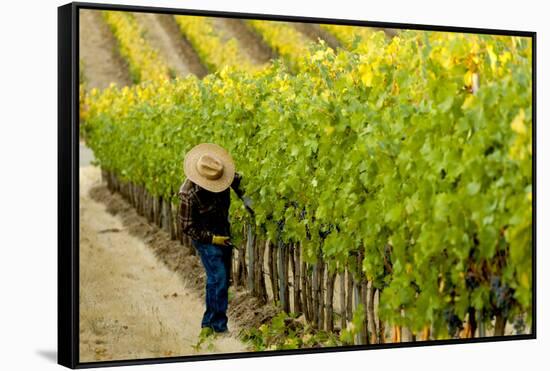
518, 124
366, 74
524, 280
468, 78
492, 57
329, 130
319, 55
468, 102
505, 57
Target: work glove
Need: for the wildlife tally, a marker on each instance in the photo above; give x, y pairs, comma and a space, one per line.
221, 240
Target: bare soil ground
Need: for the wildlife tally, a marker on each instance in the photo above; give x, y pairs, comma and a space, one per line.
101, 63
131, 305
390, 32
314, 33
252, 45
163, 34
244, 309
86, 155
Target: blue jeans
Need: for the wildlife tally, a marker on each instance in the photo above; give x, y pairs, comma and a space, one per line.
217, 264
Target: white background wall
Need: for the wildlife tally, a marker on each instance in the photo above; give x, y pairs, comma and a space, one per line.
28, 197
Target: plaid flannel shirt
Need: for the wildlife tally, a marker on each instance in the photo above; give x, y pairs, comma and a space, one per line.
204, 213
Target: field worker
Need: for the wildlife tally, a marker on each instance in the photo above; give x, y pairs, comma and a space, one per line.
204, 217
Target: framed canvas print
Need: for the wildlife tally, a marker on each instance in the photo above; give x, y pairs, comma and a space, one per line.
242, 185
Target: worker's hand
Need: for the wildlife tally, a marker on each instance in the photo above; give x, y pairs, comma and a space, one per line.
221, 240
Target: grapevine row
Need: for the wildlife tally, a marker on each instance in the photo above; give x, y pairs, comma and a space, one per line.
213, 51
348, 35
406, 167
284, 39
144, 61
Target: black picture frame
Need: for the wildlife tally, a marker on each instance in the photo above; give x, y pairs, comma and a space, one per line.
68, 181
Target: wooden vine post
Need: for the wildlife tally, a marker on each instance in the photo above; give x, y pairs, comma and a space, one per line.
315, 296
349, 293
259, 284
304, 291
363, 286
370, 312
274, 272
250, 241
320, 293
330, 300
343, 317
356, 299
295, 256
283, 277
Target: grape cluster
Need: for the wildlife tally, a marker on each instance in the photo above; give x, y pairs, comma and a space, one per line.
472, 282
519, 325
502, 296
454, 323
324, 231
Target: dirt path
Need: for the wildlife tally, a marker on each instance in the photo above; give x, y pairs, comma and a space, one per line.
163, 33
101, 64
86, 154
390, 32
314, 32
252, 45
131, 305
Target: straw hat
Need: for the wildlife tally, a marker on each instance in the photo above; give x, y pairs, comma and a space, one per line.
210, 166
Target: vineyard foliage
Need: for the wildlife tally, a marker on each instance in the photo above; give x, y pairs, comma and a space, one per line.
143, 60
285, 40
415, 151
348, 36
213, 51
